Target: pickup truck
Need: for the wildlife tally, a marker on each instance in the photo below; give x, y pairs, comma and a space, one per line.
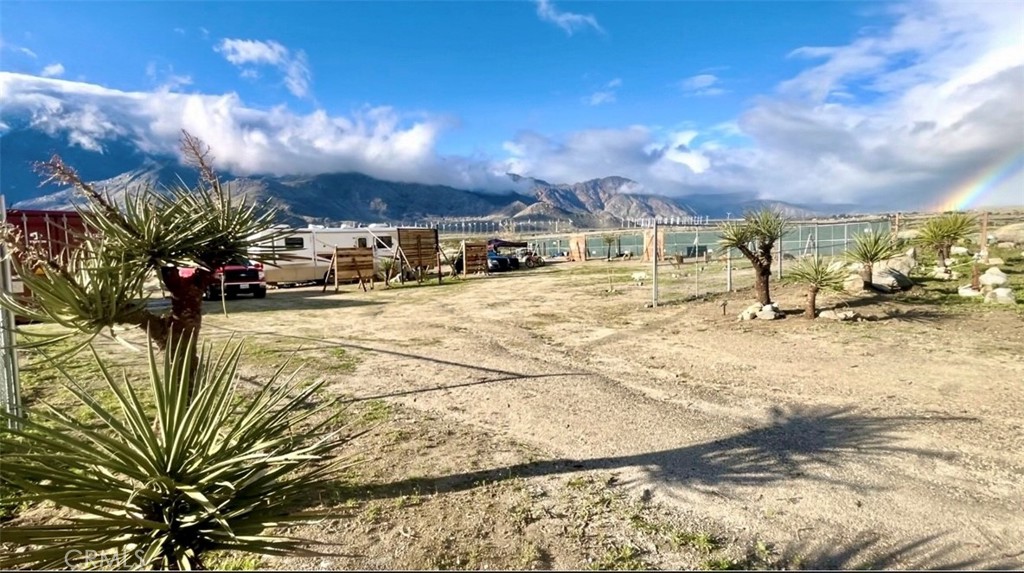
241, 276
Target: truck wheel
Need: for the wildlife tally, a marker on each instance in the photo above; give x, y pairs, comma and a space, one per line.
259, 293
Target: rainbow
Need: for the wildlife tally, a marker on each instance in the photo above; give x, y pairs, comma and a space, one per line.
967, 195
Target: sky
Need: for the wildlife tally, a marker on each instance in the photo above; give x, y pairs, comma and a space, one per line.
917, 103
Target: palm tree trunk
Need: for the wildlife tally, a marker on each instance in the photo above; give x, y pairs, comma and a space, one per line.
762, 275
812, 299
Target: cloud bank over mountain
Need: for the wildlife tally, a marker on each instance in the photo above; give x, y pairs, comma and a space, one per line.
903, 116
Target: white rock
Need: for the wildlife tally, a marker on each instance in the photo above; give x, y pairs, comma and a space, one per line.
996, 271
891, 279
1005, 245
1001, 296
992, 280
996, 261
768, 314
968, 291
838, 315
958, 250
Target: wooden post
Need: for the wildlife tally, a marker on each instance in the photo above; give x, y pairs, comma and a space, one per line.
465, 262
728, 272
654, 268
984, 238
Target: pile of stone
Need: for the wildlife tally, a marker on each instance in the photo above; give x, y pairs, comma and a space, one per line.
992, 288
761, 311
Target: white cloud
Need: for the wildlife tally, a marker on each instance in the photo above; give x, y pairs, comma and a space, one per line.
53, 70
293, 65
166, 80
567, 21
379, 141
20, 49
606, 94
898, 118
179, 31
702, 85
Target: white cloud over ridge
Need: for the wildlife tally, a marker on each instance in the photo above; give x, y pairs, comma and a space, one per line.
377, 141
293, 65
567, 21
899, 117
905, 117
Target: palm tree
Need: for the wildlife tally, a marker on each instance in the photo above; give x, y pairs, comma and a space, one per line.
818, 274
755, 235
609, 240
944, 231
870, 248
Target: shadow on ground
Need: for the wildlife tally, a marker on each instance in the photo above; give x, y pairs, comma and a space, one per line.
795, 444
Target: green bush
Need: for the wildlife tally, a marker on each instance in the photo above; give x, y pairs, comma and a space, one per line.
159, 486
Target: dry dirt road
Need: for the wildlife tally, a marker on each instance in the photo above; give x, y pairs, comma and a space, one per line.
899, 439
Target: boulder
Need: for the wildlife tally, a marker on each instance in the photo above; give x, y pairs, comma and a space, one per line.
968, 291
750, 312
768, 314
1006, 245
902, 265
996, 261
838, 315
958, 250
1001, 296
891, 280
992, 280
1013, 233
854, 283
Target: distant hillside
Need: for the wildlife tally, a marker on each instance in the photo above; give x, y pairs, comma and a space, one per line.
338, 197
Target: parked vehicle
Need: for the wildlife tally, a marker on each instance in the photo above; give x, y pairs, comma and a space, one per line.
241, 276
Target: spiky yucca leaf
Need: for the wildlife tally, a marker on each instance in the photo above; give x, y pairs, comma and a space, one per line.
818, 272
871, 247
161, 485
942, 232
754, 235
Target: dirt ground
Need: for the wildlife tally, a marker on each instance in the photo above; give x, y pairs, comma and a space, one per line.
536, 420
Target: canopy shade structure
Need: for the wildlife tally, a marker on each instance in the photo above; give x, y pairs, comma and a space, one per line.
495, 244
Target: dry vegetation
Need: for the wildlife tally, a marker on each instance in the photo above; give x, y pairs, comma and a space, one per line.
541, 419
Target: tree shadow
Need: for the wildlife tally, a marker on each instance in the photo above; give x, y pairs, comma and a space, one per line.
875, 551
803, 443
289, 300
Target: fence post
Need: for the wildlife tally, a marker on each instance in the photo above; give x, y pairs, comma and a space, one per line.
10, 387
984, 238
728, 270
654, 270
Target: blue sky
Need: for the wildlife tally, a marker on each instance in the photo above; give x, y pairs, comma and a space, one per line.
682, 96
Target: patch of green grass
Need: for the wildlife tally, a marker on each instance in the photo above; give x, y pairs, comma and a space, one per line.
341, 361
703, 542
230, 561
376, 411
623, 557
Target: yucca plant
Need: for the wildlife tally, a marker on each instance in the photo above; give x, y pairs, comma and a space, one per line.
151, 232
159, 486
755, 236
869, 248
817, 274
387, 267
941, 233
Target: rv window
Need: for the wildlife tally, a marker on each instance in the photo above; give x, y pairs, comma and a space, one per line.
384, 242
294, 242
361, 242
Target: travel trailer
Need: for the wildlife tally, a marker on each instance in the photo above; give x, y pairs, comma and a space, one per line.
307, 252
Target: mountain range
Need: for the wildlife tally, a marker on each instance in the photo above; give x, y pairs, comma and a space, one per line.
331, 198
